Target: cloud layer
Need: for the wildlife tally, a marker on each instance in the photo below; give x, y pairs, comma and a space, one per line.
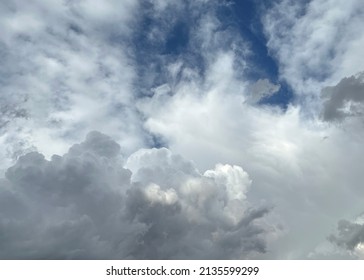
63, 74
179, 76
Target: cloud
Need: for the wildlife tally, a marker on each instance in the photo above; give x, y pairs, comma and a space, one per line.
294, 161
69, 68
345, 99
316, 43
262, 88
64, 73
350, 237
86, 205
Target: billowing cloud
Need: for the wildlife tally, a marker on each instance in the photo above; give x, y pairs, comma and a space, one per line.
85, 204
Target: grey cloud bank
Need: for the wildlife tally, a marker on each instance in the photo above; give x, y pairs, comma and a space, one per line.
86, 205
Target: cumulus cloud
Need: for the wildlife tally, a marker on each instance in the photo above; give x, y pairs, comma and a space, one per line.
345, 99
85, 204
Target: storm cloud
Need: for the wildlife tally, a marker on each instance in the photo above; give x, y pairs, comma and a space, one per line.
86, 205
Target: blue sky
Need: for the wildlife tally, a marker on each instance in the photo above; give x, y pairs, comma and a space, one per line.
242, 17
187, 129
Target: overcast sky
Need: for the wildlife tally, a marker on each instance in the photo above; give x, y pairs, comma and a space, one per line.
191, 129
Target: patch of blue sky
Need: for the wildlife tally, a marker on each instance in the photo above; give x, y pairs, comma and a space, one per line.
173, 42
159, 41
177, 45
245, 16
177, 39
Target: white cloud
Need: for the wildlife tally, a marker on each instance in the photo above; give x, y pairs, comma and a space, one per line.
63, 75
350, 237
297, 164
317, 43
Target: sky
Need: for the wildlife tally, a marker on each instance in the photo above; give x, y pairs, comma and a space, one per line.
184, 129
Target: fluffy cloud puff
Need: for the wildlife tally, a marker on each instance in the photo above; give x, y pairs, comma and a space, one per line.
86, 205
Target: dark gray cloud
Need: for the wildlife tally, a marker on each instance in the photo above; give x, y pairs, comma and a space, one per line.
345, 99
350, 237
86, 205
